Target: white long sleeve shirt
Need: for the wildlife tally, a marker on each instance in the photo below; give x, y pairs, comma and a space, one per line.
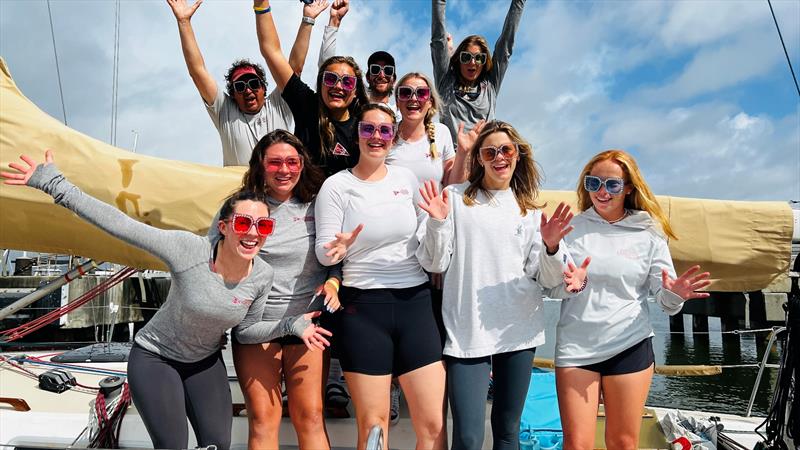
382, 255
490, 253
611, 314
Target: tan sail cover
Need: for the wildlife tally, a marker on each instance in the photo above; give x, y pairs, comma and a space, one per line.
745, 245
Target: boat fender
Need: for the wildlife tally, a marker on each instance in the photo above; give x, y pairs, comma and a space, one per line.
56, 380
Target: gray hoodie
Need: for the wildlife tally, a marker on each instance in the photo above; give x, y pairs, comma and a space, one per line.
611, 314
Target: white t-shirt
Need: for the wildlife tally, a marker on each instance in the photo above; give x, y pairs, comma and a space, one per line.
417, 157
383, 254
240, 132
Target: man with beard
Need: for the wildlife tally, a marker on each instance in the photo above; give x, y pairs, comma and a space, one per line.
381, 75
243, 112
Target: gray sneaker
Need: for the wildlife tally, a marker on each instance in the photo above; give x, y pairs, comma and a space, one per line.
394, 405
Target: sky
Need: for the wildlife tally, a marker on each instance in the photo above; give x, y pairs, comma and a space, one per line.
698, 91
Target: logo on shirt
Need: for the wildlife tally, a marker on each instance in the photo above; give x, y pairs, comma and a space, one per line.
242, 301
628, 253
303, 219
340, 150
518, 231
402, 191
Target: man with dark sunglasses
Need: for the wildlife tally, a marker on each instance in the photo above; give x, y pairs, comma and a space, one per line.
381, 76
244, 112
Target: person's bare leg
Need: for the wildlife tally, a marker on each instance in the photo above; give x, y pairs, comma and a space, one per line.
258, 368
370, 394
424, 389
302, 370
624, 397
578, 397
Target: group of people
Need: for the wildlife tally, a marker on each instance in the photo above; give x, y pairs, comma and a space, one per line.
414, 249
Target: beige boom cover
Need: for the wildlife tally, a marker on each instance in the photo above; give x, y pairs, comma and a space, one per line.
745, 245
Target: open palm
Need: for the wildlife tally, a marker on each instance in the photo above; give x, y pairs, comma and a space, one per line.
688, 283
435, 204
555, 228
182, 9
337, 248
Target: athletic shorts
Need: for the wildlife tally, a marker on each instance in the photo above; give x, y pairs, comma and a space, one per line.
388, 331
287, 340
634, 359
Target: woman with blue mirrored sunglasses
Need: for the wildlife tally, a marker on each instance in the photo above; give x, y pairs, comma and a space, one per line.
604, 338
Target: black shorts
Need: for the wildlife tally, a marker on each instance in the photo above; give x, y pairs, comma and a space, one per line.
288, 340
388, 331
633, 359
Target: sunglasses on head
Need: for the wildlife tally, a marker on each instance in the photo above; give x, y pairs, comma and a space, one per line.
467, 57
253, 84
331, 78
613, 185
242, 223
404, 93
489, 153
376, 69
293, 163
367, 129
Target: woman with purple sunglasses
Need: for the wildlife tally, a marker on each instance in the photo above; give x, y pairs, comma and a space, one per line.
469, 79
367, 219
324, 121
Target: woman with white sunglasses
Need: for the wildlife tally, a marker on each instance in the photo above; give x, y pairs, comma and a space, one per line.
367, 219
324, 120
175, 368
469, 80
604, 337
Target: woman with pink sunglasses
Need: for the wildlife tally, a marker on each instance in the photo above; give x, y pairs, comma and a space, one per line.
175, 368
324, 120
469, 79
280, 168
367, 219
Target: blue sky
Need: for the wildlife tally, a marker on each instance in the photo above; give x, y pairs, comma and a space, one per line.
699, 91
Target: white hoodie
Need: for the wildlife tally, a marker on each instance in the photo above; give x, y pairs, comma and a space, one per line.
611, 314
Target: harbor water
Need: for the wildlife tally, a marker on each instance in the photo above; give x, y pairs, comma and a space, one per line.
728, 392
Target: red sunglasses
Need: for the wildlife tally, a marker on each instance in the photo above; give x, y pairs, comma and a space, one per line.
242, 223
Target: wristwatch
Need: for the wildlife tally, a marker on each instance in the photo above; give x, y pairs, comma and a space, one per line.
308, 20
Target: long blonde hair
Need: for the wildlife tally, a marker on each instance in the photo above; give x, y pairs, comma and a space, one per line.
526, 179
430, 126
640, 198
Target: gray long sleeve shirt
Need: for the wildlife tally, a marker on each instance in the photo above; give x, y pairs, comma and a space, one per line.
457, 106
290, 252
200, 305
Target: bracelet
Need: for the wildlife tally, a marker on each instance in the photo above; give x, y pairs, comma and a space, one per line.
261, 9
308, 20
333, 282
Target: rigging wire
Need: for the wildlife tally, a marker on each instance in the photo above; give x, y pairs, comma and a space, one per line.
58, 70
115, 76
788, 60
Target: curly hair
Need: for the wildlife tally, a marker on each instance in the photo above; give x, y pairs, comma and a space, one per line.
326, 130
311, 176
640, 198
525, 181
242, 63
430, 126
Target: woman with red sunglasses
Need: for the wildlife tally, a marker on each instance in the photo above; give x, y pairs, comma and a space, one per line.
604, 337
367, 220
469, 79
486, 236
175, 368
280, 169
324, 120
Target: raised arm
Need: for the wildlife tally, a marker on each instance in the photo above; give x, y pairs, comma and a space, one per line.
164, 244
191, 51
297, 57
339, 9
436, 243
270, 45
439, 53
505, 43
